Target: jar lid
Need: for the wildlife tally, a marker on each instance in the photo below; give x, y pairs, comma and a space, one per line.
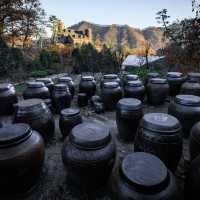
87, 78
90, 135
134, 83
194, 75
64, 79
188, 100
70, 112
29, 103
153, 75
35, 84
47, 101
160, 122
60, 87
13, 134
174, 74
195, 132
144, 171
44, 80
5, 86
110, 76
158, 81
132, 77
82, 95
111, 85
129, 104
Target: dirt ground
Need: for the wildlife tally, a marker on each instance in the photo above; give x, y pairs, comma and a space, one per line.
53, 184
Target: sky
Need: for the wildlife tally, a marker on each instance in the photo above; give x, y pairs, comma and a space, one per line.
135, 13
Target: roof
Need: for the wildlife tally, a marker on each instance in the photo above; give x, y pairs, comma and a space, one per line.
138, 61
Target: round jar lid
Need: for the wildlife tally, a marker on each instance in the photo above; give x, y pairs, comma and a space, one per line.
64, 79
45, 80
188, 100
35, 84
14, 133
158, 81
111, 85
129, 104
70, 112
132, 77
29, 103
110, 76
194, 75
144, 171
5, 86
134, 83
174, 74
60, 87
90, 135
160, 122
87, 78
153, 75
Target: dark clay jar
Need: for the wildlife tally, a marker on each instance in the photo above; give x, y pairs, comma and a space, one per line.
89, 154
8, 97
186, 108
87, 85
21, 159
128, 115
194, 77
192, 181
135, 89
61, 97
150, 76
69, 118
36, 90
160, 134
191, 87
157, 91
69, 82
109, 78
82, 100
35, 113
195, 141
111, 93
175, 81
48, 83
49, 104
132, 77
143, 176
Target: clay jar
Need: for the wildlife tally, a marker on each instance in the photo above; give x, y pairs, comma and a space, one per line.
48, 83
35, 113
69, 82
191, 87
175, 81
134, 89
195, 141
8, 97
69, 118
160, 134
194, 77
110, 78
128, 115
150, 76
89, 154
36, 90
82, 100
87, 85
21, 159
61, 97
111, 93
186, 108
157, 91
143, 176
132, 77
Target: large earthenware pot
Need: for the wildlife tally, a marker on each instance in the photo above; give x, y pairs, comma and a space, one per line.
69, 118
111, 93
194, 77
87, 85
191, 87
150, 76
82, 100
143, 176
109, 78
35, 113
8, 97
36, 90
21, 159
89, 154
134, 89
68, 80
157, 91
175, 81
128, 115
48, 83
160, 134
186, 108
61, 97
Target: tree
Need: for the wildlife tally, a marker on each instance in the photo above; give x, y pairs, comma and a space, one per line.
53, 25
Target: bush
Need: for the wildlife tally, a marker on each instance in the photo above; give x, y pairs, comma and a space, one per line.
39, 73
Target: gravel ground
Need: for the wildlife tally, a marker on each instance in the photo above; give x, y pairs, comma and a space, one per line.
53, 184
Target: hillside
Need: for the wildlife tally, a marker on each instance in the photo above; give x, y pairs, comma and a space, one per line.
123, 34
